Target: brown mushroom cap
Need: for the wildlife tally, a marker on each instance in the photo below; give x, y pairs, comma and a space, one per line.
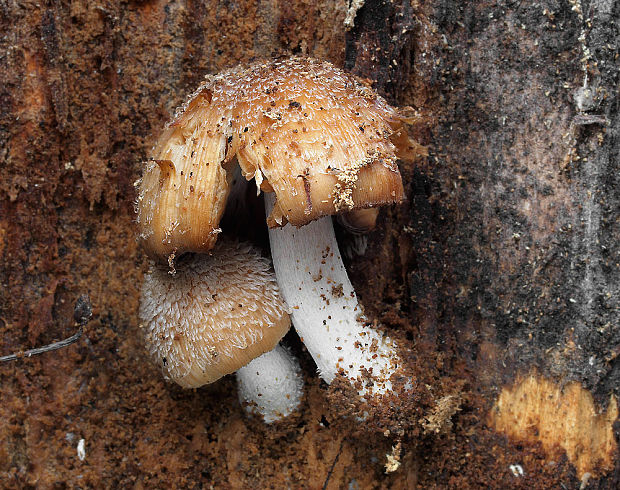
185, 185
216, 314
320, 138
359, 221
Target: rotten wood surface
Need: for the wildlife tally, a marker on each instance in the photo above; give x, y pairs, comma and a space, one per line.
500, 275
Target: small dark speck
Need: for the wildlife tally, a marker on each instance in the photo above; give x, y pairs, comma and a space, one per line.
83, 310
89, 239
293, 104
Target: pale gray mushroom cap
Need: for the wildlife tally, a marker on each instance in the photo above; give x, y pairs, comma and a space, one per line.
213, 316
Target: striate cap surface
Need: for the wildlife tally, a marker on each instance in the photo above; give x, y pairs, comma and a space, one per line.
184, 186
318, 137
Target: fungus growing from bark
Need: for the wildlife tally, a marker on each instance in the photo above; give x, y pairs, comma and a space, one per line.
323, 142
359, 221
185, 184
214, 316
317, 137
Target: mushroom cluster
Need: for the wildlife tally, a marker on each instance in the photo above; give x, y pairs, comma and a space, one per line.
318, 142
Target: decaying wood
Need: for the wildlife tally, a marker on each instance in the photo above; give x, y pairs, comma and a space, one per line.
500, 275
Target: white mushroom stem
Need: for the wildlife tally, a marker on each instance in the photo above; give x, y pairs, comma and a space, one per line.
325, 311
271, 385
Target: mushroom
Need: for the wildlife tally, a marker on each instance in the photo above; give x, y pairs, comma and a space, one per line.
323, 143
185, 185
217, 314
359, 221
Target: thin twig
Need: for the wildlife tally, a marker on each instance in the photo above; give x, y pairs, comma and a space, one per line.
331, 470
46, 348
82, 313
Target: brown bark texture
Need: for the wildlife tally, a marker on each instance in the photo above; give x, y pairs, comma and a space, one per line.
499, 276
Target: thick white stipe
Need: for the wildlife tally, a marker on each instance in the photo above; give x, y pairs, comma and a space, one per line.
325, 311
271, 384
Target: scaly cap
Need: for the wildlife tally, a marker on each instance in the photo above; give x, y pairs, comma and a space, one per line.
213, 316
318, 137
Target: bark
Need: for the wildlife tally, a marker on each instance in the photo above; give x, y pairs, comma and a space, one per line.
500, 275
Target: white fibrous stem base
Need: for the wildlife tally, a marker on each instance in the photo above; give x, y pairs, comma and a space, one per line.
325, 311
271, 385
